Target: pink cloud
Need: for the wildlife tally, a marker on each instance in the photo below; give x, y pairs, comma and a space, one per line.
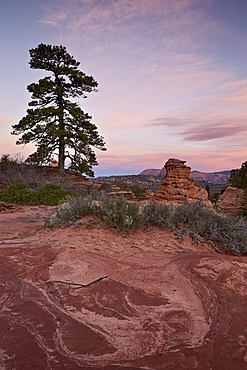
215, 130
219, 115
173, 17
203, 127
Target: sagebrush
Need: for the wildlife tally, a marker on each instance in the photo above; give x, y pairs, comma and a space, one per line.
120, 214
72, 208
190, 218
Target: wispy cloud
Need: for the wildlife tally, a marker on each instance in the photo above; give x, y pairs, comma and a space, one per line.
176, 24
219, 115
51, 23
53, 18
215, 129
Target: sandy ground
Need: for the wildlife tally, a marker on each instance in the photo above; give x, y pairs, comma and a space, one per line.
87, 297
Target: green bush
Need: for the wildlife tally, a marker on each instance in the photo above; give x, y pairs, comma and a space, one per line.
137, 190
33, 194
72, 208
190, 215
116, 212
198, 220
158, 214
120, 214
239, 177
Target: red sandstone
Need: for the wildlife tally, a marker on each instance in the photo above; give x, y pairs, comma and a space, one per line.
176, 187
90, 298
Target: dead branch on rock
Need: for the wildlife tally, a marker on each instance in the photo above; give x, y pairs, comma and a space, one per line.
77, 285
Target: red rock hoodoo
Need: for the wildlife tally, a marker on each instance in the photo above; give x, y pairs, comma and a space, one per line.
176, 187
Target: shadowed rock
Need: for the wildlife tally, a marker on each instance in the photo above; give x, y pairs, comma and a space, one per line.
231, 200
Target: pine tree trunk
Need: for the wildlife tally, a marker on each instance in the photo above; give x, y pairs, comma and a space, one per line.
61, 154
61, 149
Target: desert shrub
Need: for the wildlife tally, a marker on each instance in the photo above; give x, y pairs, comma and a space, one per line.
120, 214
116, 212
33, 194
158, 214
214, 198
190, 219
139, 192
232, 234
52, 194
9, 168
243, 211
6, 161
196, 219
189, 216
14, 170
72, 208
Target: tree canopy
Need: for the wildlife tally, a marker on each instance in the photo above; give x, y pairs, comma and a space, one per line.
239, 177
55, 122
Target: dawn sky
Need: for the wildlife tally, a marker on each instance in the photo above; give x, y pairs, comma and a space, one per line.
172, 76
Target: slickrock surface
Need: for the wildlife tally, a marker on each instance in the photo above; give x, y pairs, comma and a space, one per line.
87, 297
176, 187
231, 200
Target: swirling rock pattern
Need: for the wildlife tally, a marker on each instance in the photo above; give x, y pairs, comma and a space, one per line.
88, 298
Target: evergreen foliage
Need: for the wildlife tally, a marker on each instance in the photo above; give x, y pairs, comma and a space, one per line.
57, 125
239, 180
32, 194
239, 177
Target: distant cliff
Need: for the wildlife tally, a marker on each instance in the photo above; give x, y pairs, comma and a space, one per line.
154, 172
150, 179
212, 177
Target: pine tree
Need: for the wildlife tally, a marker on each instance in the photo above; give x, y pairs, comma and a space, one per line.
239, 177
54, 122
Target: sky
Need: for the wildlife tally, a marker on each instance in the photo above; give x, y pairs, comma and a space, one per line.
172, 77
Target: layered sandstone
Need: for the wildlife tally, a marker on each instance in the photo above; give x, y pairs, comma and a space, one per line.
176, 187
231, 200
90, 298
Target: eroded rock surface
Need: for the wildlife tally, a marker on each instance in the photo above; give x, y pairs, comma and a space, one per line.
176, 187
231, 200
90, 298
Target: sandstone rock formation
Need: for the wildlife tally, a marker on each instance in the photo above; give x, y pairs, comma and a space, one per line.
117, 191
89, 298
176, 187
231, 200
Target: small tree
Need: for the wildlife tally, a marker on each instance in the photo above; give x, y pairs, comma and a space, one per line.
208, 189
56, 124
239, 177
